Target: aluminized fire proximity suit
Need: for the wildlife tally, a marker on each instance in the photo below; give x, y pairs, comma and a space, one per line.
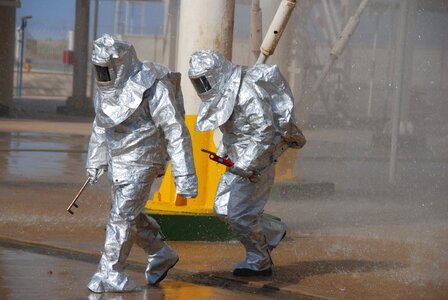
253, 108
138, 126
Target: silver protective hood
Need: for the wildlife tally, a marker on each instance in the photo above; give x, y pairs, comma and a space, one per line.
117, 99
224, 79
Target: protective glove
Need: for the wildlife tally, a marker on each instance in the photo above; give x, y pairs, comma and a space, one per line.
251, 175
221, 151
94, 174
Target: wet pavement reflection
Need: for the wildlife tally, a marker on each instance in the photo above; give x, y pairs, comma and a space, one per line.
25, 275
32, 156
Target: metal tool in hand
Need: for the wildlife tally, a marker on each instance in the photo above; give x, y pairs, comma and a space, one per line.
77, 196
226, 162
219, 159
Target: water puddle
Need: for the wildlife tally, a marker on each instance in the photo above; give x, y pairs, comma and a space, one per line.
37, 156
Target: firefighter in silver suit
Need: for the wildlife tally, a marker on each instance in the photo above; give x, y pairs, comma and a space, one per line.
253, 108
138, 127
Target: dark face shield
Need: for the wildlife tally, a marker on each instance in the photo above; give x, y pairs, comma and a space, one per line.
201, 84
102, 74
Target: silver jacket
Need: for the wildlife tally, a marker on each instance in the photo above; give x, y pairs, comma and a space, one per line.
138, 125
253, 107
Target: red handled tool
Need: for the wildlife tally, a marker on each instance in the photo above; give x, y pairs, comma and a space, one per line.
219, 159
226, 162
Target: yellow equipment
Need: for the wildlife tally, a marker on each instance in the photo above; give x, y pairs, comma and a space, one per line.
165, 200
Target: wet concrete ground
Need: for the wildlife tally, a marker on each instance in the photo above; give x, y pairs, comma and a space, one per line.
29, 275
364, 242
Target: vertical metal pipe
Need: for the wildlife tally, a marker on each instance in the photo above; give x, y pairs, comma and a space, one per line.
22, 54
227, 29
7, 57
126, 18
390, 67
20, 68
408, 66
171, 29
95, 35
372, 66
155, 43
399, 68
78, 102
348, 8
255, 28
142, 18
335, 16
275, 30
116, 14
95, 20
340, 44
324, 72
22, 46
330, 22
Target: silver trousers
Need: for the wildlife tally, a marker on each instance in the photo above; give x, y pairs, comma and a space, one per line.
127, 224
241, 203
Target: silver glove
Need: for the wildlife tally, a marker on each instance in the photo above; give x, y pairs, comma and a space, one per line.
94, 174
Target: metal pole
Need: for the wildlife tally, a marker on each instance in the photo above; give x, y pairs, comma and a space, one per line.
155, 43
390, 70
78, 102
142, 19
399, 67
171, 29
372, 67
255, 28
408, 67
335, 17
126, 18
95, 21
22, 47
330, 22
19, 85
8, 57
116, 15
275, 30
340, 44
19, 63
22, 43
95, 35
